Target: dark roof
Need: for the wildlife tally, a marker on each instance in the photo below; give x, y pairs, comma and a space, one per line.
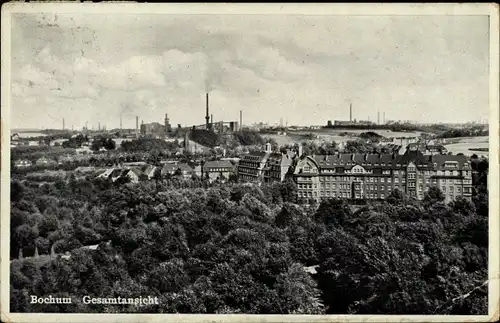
385, 160
184, 167
171, 168
440, 160
218, 164
255, 156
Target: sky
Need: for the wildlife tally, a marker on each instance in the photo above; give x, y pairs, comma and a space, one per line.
94, 68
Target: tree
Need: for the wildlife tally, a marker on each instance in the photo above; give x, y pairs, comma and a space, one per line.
16, 191
433, 195
109, 144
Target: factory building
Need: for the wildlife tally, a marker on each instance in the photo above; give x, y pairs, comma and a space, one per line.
220, 127
156, 130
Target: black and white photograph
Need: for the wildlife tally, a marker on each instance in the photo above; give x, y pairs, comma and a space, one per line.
294, 162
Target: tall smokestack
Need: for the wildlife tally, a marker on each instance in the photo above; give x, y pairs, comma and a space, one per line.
63, 124
378, 117
137, 127
212, 119
207, 117
384, 117
121, 124
241, 119
350, 112
99, 126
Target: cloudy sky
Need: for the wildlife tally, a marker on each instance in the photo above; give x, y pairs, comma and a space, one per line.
306, 69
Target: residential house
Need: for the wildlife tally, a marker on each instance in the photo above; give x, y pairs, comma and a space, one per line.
149, 171
23, 163
185, 170
135, 175
83, 150
45, 161
218, 170
111, 174
198, 171
182, 168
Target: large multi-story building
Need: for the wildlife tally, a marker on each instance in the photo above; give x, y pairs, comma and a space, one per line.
252, 166
277, 166
374, 176
218, 170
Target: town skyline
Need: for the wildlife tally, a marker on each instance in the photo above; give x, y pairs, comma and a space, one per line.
306, 69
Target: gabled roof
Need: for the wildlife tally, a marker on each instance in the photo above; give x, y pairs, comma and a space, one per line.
256, 156
440, 160
184, 167
107, 172
218, 164
172, 168
135, 171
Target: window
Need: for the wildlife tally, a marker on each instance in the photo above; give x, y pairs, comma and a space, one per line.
389, 180
396, 180
382, 180
382, 196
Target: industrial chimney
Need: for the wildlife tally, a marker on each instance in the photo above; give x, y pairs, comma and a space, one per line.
207, 117
241, 119
350, 112
137, 127
63, 124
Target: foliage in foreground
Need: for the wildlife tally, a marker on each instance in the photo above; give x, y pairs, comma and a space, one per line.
243, 249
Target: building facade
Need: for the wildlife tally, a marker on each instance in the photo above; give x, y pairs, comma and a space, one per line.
374, 176
251, 167
218, 170
154, 129
277, 166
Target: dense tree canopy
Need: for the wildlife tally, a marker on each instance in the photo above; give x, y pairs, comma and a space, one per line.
242, 248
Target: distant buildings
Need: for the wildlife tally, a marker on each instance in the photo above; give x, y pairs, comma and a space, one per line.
436, 149
23, 163
340, 123
181, 169
374, 176
155, 129
45, 161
